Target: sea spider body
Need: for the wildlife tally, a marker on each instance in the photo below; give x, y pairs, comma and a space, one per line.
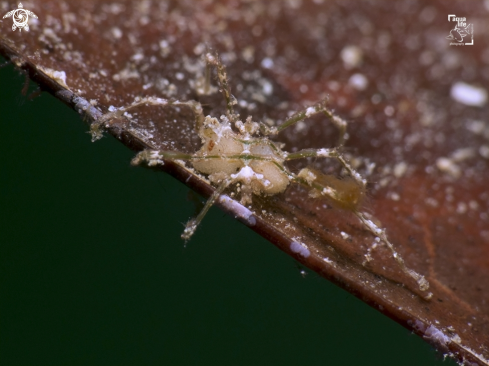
253, 162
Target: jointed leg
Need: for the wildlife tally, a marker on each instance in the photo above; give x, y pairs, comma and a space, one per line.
328, 153
306, 113
423, 284
192, 224
342, 194
118, 112
222, 79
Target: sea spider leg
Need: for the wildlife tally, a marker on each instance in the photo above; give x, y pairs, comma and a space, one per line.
222, 79
318, 108
344, 195
328, 153
97, 126
422, 282
192, 224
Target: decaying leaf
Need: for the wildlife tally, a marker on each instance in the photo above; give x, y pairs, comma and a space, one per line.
417, 110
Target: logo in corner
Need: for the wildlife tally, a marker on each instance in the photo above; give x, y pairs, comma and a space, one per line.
20, 17
461, 32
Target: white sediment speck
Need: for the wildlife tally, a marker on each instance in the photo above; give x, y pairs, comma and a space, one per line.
469, 94
300, 249
325, 153
327, 260
447, 165
399, 169
310, 111
358, 81
116, 32
484, 151
58, 76
267, 87
351, 56
267, 63
241, 211
436, 335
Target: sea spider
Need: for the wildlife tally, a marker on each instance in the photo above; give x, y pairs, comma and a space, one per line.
244, 156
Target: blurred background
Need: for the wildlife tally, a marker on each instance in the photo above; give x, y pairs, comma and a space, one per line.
93, 270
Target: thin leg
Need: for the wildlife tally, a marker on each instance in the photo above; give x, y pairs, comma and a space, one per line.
345, 196
222, 78
311, 153
26, 83
191, 226
422, 282
155, 157
207, 78
35, 93
195, 106
306, 113
98, 125
328, 153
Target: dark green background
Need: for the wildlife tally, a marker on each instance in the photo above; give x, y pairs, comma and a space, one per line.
93, 270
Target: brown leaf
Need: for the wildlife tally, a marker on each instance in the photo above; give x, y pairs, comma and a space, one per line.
388, 69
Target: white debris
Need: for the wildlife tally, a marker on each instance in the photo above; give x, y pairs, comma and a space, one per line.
436, 335
58, 76
400, 169
300, 248
463, 154
241, 211
358, 81
352, 56
116, 32
484, 151
447, 165
469, 94
324, 153
267, 63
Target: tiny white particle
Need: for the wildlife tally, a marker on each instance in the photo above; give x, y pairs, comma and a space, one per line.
58, 76
447, 165
484, 151
358, 81
351, 56
137, 57
468, 94
310, 111
324, 153
389, 111
300, 248
327, 260
267, 63
436, 334
116, 32
241, 211
267, 87
394, 196
399, 169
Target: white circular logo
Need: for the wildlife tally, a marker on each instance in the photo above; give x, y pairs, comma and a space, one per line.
20, 17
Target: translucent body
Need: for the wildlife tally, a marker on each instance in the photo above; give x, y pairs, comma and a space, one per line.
256, 163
